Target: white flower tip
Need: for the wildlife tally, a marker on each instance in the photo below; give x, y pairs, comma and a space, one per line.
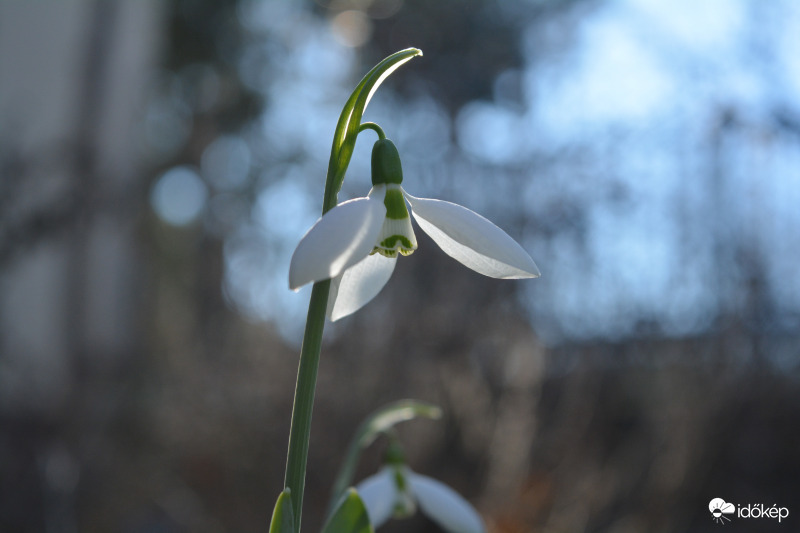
527, 271
358, 285
337, 314
445, 506
294, 282
334, 314
295, 279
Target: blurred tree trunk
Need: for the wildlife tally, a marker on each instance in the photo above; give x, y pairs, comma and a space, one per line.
73, 75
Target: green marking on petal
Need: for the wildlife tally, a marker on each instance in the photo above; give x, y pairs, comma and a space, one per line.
395, 203
404, 505
394, 244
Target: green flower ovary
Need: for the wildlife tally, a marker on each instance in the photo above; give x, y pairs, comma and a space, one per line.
386, 166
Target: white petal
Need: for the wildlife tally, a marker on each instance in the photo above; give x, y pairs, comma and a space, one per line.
445, 506
338, 240
472, 240
359, 284
379, 492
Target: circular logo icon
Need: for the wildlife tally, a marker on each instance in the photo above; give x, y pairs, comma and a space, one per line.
719, 508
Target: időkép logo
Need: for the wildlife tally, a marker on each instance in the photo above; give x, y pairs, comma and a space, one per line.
722, 512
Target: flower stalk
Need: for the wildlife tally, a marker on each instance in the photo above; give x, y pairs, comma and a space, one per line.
347, 129
300, 431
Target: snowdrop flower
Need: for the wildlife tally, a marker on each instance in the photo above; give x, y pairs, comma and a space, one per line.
395, 491
357, 242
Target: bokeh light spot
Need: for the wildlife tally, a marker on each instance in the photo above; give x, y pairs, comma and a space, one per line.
226, 162
179, 196
490, 132
351, 28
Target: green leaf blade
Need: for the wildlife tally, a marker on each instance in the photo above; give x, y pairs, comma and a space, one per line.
350, 516
390, 415
344, 138
366, 89
283, 516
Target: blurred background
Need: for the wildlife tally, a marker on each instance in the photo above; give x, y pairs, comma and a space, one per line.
159, 161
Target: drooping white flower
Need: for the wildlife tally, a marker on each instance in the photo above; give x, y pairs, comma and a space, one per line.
396, 491
357, 242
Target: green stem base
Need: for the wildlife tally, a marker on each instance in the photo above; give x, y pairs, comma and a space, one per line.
304, 397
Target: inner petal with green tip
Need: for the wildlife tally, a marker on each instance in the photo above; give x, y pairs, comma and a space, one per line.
396, 235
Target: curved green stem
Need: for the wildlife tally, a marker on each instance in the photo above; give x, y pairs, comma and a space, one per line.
372, 126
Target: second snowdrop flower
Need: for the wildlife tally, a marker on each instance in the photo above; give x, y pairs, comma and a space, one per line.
395, 491
356, 243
